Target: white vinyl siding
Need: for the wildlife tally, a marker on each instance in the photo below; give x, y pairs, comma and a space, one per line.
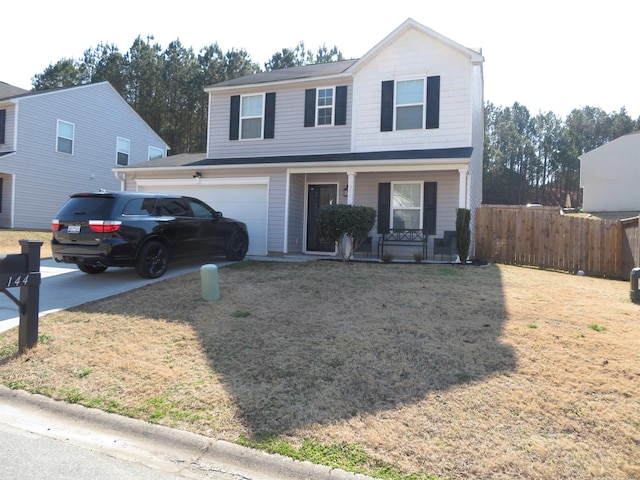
100, 116
291, 137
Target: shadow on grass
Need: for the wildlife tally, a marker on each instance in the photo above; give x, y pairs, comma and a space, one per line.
297, 344
319, 342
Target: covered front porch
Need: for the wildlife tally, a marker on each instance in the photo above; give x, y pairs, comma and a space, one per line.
407, 197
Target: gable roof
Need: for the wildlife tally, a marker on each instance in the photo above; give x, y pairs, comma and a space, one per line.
625, 146
475, 56
343, 67
8, 91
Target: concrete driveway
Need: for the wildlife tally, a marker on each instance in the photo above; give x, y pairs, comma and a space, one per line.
64, 286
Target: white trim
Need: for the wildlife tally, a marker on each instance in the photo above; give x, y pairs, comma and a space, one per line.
157, 182
252, 117
287, 197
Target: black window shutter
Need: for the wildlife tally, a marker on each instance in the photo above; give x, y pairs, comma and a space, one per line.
310, 107
433, 102
386, 110
3, 121
384, 207
430, 207
341, 105
269, 115
234, 118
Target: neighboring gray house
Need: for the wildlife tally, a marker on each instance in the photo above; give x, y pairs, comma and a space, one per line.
610, 175
400, 129
61, 141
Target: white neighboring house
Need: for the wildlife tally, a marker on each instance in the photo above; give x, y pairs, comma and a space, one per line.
61, 141
610, 176
400, 129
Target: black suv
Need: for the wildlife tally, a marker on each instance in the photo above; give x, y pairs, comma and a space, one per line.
144, 230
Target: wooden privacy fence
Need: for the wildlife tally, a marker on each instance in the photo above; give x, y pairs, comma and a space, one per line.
545, 238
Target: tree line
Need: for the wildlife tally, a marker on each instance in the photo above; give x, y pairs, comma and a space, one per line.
166, 86
527, 158
534, 159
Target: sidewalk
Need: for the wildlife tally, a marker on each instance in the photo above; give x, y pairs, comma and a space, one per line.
176, 452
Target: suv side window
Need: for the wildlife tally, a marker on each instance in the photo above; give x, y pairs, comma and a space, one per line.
200, 210
139, 206
175, 207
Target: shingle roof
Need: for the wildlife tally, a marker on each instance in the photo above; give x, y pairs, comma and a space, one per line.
8, 91
291, 73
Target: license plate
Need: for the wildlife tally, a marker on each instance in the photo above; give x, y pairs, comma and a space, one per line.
73, 229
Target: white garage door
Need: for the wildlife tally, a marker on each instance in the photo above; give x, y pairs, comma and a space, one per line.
245, 202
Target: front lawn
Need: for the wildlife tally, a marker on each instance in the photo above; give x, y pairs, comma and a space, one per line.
435, 371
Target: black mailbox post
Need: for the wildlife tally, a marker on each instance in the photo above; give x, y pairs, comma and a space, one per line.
23, 271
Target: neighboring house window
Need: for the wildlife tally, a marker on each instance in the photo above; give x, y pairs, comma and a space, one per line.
66, 132
325, 106
155, 152
407, 205
3, 122
406, 104
252, 116
124, 147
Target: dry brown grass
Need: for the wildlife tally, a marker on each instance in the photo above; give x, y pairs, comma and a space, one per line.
460, 372
9, 241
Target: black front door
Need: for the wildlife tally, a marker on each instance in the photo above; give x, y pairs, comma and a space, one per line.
318, 196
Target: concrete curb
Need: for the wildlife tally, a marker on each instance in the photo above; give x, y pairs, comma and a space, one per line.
163, 448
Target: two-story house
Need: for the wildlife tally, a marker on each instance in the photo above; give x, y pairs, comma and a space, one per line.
400, 130
62, 141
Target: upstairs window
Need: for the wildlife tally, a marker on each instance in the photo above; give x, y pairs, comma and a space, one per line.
66, 132
123, 149
409, 104
251, 116
325, 106
155, 152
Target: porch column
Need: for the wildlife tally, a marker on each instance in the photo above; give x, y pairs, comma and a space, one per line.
462, 188
351, 185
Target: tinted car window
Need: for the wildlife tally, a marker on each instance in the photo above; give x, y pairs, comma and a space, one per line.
139, 206
200, 210
175, 207
87, 207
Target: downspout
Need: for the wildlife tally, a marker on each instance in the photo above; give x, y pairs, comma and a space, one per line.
122, 177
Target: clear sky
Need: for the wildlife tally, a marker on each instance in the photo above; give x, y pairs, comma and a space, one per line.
546, 55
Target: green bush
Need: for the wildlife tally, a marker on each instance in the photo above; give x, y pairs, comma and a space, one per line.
463, 233
337, 221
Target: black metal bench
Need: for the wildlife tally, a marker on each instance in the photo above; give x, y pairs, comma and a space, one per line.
405, 238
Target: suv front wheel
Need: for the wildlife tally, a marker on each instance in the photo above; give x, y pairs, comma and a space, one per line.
153, 260
237, 247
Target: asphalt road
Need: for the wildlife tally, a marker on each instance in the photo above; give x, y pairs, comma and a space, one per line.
64, 286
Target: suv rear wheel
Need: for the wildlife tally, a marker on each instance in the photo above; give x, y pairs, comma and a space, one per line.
152, 260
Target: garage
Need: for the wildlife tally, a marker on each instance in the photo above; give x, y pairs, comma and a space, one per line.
244, 199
